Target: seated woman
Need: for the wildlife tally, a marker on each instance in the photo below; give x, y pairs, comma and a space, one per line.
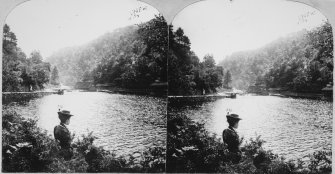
63, 135
231, 138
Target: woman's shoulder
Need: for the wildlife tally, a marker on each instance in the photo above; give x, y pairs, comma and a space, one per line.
227, 131
60, 128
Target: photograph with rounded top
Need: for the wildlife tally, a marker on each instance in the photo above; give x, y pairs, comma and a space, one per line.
84, 86
250, 88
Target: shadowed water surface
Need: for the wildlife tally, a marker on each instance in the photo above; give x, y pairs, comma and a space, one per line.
125, 123
291, 127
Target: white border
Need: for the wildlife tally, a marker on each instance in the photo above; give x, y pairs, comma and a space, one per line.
170, 8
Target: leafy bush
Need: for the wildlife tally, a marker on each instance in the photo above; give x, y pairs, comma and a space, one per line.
321, 161
192, 149
27, 148
24, 146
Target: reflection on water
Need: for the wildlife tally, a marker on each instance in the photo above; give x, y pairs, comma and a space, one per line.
124, 123
291, 127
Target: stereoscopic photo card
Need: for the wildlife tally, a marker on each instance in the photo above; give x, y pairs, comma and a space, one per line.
167, 86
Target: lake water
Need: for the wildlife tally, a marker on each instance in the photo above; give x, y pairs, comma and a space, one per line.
127, 124
291, 127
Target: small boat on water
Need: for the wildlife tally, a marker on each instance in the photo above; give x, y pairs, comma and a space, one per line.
60, 91
231, 94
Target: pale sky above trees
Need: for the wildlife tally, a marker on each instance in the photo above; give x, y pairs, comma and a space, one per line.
221, 27
48, 25
217, 27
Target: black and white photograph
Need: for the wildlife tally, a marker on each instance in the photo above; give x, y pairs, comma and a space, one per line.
250, 88
167, 86
84, 87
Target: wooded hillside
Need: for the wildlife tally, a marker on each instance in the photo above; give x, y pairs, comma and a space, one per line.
129, 57
302, 61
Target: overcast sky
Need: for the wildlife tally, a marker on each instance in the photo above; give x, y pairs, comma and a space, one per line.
217, 27
48, 25
220, 27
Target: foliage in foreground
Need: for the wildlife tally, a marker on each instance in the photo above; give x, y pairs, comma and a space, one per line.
27, 148
192, 149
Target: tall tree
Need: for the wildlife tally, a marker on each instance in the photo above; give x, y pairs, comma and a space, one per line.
36, 57
209, 61
227, 79
9, 40
18, 72
10, 61
54, 80
187, 75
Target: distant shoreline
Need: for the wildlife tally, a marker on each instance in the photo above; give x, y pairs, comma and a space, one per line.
306, 95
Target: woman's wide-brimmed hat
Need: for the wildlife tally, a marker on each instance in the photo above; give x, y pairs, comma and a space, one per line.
64, 113
233, 116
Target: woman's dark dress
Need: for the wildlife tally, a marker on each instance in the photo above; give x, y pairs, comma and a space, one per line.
63, 136
232, 140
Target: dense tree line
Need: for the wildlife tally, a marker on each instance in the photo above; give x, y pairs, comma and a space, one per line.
186, 74
19, 72
302, 61
136, 57
130, 57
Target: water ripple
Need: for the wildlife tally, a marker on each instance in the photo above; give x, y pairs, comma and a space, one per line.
291, 127
123, 123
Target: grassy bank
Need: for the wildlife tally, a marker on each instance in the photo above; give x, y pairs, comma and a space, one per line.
193, 149
27, 148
